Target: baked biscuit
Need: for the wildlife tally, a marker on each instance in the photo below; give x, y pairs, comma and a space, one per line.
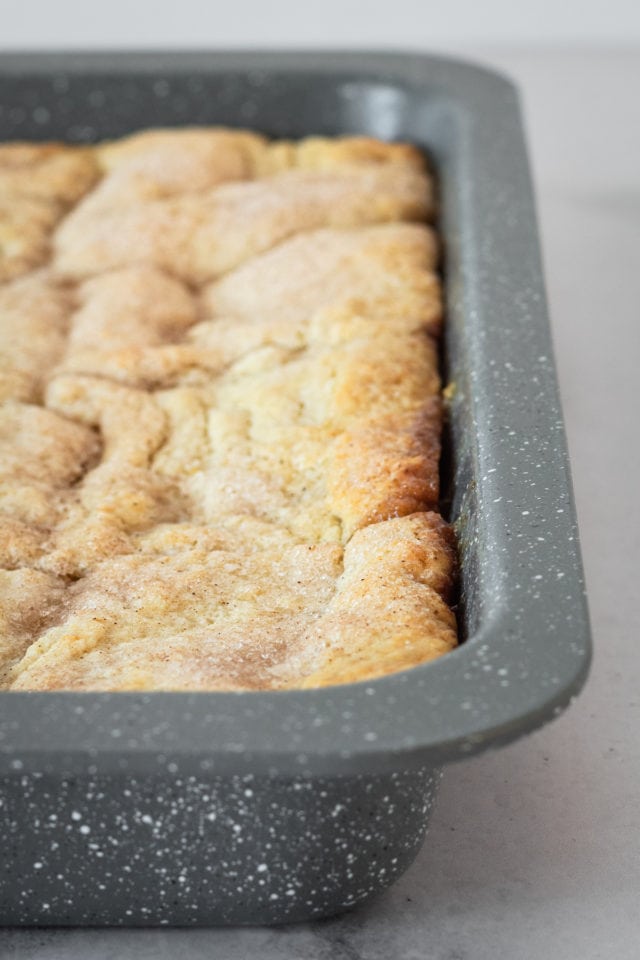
220, 431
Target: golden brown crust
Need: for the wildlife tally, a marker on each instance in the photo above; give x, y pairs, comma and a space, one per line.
389, 612
387, 467
51, 171
220, 435
34, 315
201, 236
38, 182
25, 227
28, 598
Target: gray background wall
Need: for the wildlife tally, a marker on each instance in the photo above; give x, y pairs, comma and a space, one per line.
415, 23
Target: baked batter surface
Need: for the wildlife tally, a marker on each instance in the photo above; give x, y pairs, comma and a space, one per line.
221, 414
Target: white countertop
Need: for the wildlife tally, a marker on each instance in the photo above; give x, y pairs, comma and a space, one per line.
534, 851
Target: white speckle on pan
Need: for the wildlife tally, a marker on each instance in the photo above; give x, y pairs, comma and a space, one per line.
41, 115
97, 98
161, 88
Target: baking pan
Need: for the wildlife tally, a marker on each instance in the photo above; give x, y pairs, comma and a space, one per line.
269, 807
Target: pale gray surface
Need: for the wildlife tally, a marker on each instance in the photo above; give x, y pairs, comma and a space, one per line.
290, 23
534, 851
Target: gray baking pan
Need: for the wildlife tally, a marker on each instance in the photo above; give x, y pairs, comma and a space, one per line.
271, 807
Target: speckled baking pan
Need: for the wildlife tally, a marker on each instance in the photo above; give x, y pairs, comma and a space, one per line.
273, 807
